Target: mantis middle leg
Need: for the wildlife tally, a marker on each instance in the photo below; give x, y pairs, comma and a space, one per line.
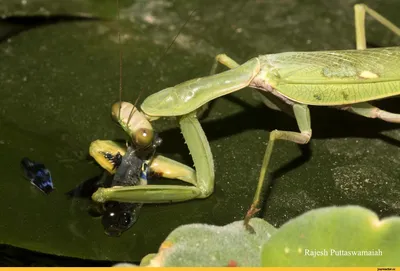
302, 115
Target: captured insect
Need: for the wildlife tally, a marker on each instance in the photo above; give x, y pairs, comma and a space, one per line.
38, 175
131, 170
289, 82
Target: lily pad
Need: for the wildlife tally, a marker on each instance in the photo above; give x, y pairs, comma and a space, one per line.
335, 236
58, 82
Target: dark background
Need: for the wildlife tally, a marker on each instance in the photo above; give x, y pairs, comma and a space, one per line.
59, 75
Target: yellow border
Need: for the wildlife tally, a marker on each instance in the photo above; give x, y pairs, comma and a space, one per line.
210, 268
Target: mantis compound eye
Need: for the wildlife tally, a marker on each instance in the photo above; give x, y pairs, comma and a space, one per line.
143, 137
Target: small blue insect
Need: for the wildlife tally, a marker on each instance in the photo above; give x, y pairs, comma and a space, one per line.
38, 174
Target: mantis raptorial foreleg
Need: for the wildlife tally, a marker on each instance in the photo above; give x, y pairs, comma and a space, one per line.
159, 164
175, 170
204, 181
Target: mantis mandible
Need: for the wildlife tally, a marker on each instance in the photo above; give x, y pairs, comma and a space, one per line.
289, 82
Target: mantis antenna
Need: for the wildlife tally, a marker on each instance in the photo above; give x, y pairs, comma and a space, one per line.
120, 61
154, 66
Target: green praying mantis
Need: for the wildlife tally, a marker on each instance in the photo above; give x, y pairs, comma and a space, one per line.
289, 82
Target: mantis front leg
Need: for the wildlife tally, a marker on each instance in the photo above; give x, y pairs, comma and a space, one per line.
203, 184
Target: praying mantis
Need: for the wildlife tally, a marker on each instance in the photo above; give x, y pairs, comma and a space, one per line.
289, 82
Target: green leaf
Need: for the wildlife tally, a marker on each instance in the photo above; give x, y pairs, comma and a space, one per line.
209, 246
335, 236
58, 82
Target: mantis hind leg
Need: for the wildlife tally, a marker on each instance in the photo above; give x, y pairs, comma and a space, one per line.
302, 115
359, 15
219, 59
369, 111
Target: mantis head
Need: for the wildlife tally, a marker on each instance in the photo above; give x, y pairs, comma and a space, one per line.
134, 123
138, 127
